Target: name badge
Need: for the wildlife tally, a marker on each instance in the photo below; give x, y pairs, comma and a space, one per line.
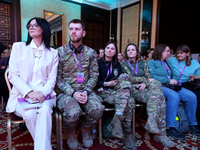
80, 77
180, 82
168, 77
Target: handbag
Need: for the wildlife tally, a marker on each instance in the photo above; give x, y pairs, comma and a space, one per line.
173, 87
195, 84
182, 124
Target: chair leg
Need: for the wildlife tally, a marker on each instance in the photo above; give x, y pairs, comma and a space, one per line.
133, 123
2, 102
100, 131
9, 133
57, 130
60, 129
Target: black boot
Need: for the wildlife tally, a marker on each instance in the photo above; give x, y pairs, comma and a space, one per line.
195, 130
129, 141
115, 126
72, 141
86, 137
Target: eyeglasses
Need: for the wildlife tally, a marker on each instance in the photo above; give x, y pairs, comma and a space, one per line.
34, 26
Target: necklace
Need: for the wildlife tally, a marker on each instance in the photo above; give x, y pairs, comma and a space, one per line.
37, 53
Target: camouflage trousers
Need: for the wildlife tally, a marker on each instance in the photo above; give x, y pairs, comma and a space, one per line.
153, 96
72, 110
122, 101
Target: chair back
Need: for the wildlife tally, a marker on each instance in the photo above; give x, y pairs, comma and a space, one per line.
7, 81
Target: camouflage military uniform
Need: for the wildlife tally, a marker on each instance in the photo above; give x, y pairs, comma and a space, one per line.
119, 96
122, 101
67, 84
152, 94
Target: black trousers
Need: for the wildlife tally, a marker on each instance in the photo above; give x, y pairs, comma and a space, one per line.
197, 93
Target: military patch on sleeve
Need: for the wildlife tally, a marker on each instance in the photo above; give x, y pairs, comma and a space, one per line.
115, 71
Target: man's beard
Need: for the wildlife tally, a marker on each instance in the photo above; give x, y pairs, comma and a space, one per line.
75, 39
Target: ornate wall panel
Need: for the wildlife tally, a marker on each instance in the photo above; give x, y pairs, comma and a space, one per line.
98, 27
130, 25
88, 42
97, 23
5, 24
94, 34
4, 34
98, 43
89, 34
4, 9
98, 35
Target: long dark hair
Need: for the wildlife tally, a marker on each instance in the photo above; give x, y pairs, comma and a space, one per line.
46, 33
159, 49
185, 49
115, 59
137, 50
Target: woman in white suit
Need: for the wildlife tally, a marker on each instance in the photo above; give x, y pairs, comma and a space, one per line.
32, 72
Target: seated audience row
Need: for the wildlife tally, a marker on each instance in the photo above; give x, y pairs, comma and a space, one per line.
76, 72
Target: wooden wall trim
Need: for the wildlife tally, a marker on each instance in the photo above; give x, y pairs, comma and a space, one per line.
154, 24
140, 27
119, 28
16, 20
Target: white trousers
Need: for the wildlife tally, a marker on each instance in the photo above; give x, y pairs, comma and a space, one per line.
39, 123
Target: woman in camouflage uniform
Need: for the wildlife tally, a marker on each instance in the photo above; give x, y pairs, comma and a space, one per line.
116, 91
149, 91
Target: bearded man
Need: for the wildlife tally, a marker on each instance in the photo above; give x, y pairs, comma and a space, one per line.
77, 76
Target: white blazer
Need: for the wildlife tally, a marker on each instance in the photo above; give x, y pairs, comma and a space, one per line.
20, 73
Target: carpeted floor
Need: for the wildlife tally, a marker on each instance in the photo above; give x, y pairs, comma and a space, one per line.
22, 140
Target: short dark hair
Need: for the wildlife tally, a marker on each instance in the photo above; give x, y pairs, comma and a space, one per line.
149, 50
185, 49
115, 59
78, 21
137, 50
99, 50
96, 50
159, 49
46, 33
